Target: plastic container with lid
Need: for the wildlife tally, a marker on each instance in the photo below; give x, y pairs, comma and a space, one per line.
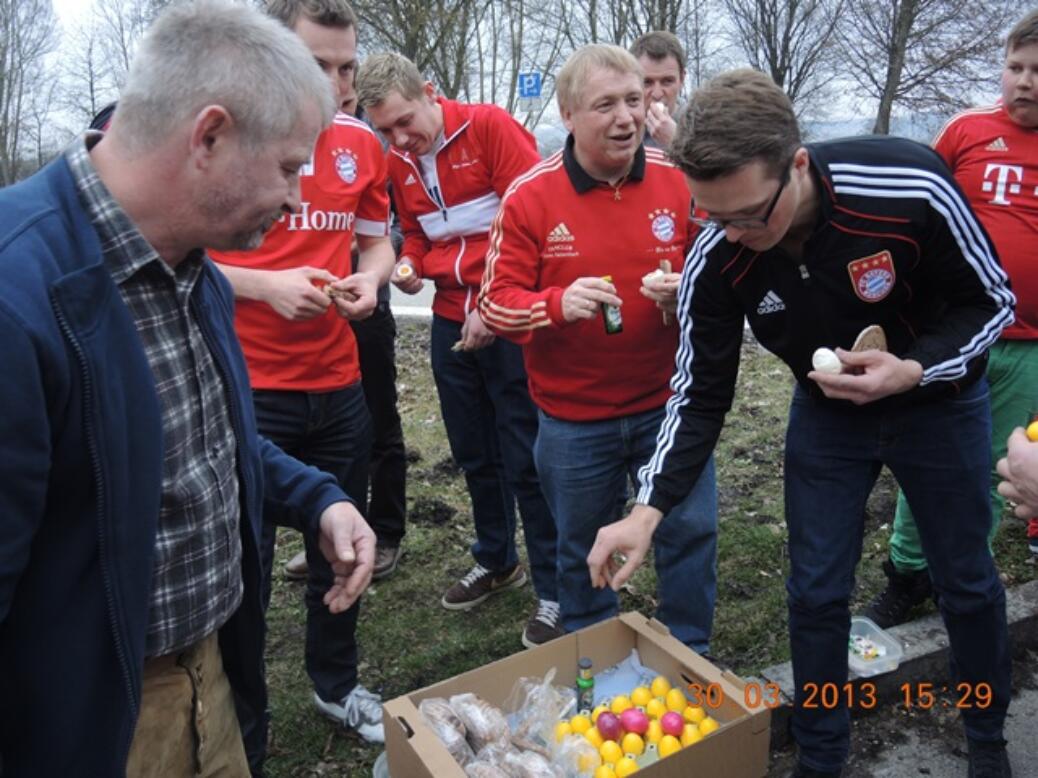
870, 650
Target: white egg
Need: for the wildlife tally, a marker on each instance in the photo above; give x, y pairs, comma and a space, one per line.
824, 360
648, 278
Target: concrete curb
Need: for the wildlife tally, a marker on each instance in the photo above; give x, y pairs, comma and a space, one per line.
925, 659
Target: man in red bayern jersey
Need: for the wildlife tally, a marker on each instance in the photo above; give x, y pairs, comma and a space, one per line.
993, 153
295, 296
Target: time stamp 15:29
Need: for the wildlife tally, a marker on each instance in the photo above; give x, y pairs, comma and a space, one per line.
862, 695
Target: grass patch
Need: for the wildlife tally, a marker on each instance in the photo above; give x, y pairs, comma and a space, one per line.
407, 640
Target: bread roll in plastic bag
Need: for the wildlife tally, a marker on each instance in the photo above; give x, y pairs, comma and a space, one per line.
443, 721
484, 723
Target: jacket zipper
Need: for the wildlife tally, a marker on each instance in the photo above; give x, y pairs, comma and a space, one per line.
95, 459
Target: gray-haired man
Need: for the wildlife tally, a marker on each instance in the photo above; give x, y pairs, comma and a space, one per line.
131, 474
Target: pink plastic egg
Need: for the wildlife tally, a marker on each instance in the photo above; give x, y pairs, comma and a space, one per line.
634, 720
672, 723
609, 725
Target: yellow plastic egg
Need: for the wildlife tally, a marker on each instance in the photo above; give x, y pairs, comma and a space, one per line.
654, 732
708, 725
632, 743
598, 710
694, 714
580, 724
668, 745
655, 708
676, 700
594, 737
690, 734
660, 686
641, 696
610, 751
626, 766
620, 704
588, 761
561, 730
605, 771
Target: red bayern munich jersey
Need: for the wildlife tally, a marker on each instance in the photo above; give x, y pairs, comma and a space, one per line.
556, 224
995, 161
343, 189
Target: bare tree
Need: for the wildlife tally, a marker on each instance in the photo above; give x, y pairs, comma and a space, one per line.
27, 35
790, 40
922, 54
119, 25
516, 36
86, 79
434, 34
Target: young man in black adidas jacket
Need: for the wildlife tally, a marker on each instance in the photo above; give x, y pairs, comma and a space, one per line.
813, 244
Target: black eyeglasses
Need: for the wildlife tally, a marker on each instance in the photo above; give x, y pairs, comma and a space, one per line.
751, 222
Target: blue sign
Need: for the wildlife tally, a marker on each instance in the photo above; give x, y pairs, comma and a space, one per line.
529, 84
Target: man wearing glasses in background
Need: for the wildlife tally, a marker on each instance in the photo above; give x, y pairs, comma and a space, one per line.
812, 244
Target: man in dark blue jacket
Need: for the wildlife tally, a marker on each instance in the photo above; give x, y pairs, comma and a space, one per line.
132, 478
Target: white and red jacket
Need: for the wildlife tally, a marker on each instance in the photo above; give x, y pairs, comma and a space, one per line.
557, 224
446, 222
995, 161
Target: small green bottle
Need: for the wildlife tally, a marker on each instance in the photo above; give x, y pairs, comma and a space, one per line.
614, 322
585, 685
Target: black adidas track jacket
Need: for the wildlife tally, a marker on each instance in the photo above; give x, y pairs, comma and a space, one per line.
896, 244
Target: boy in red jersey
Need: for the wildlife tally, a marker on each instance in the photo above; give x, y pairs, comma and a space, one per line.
295, 295
450, 164
603, 206
993, 153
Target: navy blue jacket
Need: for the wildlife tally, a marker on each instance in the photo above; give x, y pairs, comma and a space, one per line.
80, 479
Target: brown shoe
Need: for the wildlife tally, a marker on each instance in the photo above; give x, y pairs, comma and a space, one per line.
386, 558
543, 624
478, 584
296, 569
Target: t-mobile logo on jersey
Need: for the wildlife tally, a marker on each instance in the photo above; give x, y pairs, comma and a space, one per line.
307, 219
1005, 176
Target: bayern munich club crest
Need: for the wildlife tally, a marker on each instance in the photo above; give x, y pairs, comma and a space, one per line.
346, 165
662, 225
872, 276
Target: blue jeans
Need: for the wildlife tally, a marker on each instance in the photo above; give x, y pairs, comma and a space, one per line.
940, 454
585, 468
332, 432
491, 425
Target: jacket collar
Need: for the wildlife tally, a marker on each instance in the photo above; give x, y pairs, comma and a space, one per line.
456, 117
582, 180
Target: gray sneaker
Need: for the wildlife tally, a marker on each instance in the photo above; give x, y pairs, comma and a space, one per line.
360, 711
543, 624
386, 559
295, 568
478, 584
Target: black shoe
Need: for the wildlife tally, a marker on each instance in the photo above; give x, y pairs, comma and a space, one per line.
800, 771
904, 591
989, 759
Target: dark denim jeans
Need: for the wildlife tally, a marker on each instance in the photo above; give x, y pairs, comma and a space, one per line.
940, 453
387, 471
491, 426
585, 468
332, 432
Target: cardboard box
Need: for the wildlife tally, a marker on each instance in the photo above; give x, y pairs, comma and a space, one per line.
739, 749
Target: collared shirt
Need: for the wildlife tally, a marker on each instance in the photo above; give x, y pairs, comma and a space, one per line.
583, 181
197, 582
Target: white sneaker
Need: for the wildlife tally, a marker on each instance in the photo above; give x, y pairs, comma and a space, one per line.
360, 711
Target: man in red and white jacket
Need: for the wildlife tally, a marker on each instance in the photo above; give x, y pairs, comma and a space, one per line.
450, 164
295, 295
588, 229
